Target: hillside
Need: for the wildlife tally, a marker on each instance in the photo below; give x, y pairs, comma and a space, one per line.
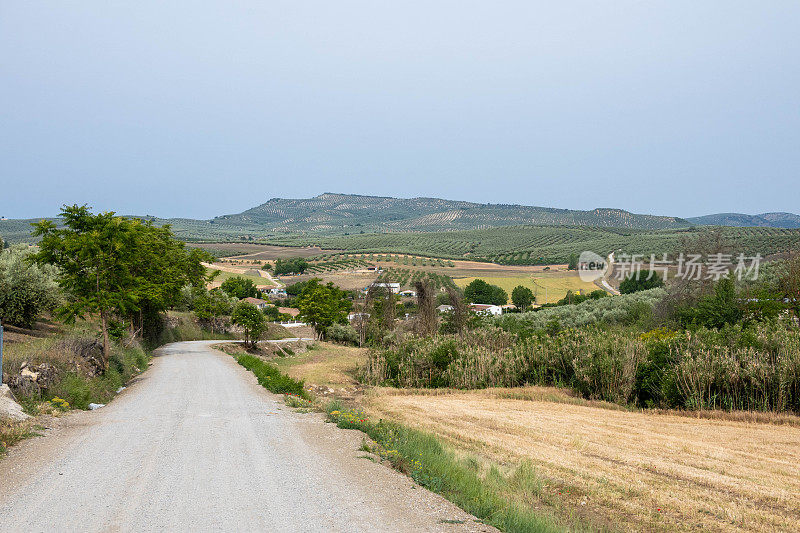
526, 245
334, 213
764, 220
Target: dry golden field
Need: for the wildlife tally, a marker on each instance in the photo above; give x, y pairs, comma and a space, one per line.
616, 468
548, 287
600, 464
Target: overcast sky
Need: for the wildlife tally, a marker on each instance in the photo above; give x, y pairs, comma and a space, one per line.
199, 108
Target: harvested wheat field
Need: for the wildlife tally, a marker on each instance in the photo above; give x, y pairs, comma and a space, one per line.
621, 469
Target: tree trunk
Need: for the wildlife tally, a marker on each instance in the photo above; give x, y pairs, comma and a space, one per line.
106, 343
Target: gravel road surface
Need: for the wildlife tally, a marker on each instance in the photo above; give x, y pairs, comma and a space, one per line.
195, 444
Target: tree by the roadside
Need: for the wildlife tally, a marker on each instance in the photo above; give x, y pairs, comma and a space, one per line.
251, 320
26, 290
160, 268
640, 281
321, 306
93, 255
522, 297
210, 305
115, 267
239, 287
480, 292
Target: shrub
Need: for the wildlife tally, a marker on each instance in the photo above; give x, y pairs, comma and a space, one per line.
26, 290
342, 333
618, 310
641, 281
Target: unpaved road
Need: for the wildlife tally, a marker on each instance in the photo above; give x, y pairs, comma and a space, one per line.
195, 444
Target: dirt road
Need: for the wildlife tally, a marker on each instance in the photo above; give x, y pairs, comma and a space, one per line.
197, 445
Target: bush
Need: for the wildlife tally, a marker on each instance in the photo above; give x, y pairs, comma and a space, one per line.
26, 290
737, 367
641, 281
626, 309
342, 333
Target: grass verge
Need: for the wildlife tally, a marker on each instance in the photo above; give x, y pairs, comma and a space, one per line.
497, 499
270, 377
13, 432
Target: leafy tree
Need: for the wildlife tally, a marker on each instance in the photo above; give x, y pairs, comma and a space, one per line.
296, 289
208, 305
715, 311
640, 281
93, 254
160, 266
522, 297
115, 267
272, 313
239, 287
251, 320
480, 292
573, 262
26, 289
323, 305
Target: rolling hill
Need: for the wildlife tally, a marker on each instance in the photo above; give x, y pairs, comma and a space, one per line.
764, 220
335, 213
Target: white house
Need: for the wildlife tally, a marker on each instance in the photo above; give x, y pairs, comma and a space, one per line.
409, 293
486, 309
393, 287
444, 308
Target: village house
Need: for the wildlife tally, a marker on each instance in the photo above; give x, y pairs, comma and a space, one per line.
486, 309
258, 302
393, 287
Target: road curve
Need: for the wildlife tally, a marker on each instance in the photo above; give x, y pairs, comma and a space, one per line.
195, 444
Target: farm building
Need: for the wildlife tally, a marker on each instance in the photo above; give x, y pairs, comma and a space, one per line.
393, 287
486, 309
409, 293
444, 308
274, 292
258, 302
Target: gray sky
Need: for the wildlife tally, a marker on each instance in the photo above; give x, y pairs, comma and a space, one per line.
204, 108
